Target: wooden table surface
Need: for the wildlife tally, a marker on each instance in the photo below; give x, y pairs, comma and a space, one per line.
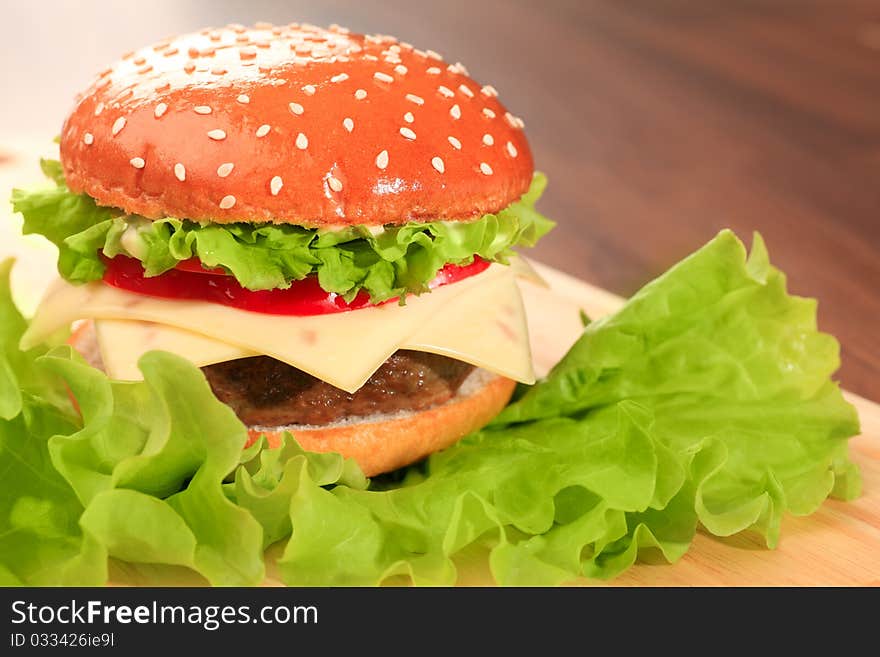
658, 122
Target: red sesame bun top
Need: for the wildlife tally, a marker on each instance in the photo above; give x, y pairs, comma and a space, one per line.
293, 124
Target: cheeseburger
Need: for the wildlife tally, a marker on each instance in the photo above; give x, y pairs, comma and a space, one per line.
322, 221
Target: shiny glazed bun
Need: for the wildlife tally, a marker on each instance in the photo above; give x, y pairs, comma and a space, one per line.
294, 124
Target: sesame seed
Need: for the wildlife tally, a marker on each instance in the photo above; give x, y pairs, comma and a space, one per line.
401, 69
202, 109
342, 77
489, 91
218, 70
296, 108
489, 114
309, 89
189, 67
180, 172
371, 58
437, 163
227, 202
511, 149
88, 139
137, 162
217, 134
434, 55
420, 53
382, 160
486, 169
335, 184
225, 169
383, 77
348, 123
433, 71
406, 132
455, 143
118, 125
275, 185
446, 91
244, 99
99, 108
488, 139
515, 122
466, 91
408, 117
263, 130
418, 100
170, 52
455, 111
302, 142
360, 94
160, 110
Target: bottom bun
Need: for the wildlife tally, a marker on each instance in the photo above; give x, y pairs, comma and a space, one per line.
383, 442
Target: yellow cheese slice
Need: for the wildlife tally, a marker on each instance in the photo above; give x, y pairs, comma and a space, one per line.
123, 341
479, 320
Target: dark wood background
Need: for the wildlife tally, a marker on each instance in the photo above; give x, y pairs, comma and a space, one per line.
658, 122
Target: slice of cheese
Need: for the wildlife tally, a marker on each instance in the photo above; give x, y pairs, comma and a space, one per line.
480, 320
123, 341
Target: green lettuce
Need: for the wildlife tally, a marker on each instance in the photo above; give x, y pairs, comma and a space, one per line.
397, 261
707, 400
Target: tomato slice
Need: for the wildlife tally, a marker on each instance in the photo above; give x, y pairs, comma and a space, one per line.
305, 297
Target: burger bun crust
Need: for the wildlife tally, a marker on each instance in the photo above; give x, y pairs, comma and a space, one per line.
384, 444
293, 124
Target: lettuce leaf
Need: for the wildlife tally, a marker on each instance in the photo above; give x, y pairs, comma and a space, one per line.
707, 400
41, 542
399, 260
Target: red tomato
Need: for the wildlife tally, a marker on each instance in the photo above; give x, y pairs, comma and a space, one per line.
306, 297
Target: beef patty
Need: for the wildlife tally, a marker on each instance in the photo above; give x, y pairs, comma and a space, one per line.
266, 392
